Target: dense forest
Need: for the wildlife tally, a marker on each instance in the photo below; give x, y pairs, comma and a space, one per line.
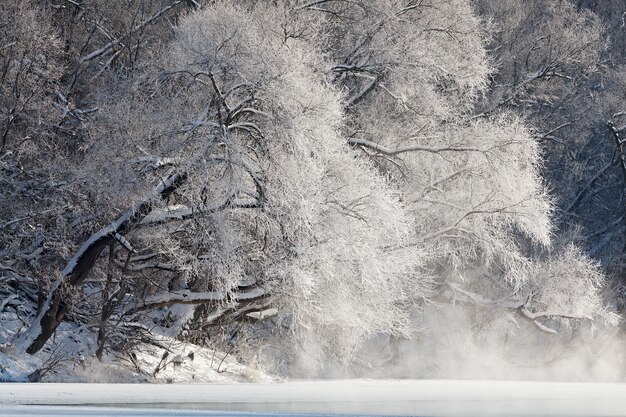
329, 187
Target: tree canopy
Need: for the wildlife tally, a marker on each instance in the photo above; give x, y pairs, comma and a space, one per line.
337, 166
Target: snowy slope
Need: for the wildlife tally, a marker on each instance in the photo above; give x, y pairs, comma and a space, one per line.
69, 357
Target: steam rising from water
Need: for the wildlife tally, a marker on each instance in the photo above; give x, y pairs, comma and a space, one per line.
460, 342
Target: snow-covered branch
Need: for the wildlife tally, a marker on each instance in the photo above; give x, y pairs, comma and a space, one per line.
182, 212
522, 307
154, 162
413, 148
190, 297
80, 264
77, 269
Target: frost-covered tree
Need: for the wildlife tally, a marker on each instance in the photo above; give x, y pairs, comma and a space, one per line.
31, 68
558, 65
255, 188
412, 118
318, 160
413, 73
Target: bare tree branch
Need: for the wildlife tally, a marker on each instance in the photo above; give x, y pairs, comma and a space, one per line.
109, 46
588, 185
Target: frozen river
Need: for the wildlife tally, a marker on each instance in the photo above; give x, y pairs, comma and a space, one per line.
348, 397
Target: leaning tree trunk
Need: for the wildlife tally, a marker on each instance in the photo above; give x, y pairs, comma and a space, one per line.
57, 303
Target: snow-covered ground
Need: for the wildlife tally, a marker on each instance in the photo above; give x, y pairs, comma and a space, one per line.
353, 397
69, 357
172, 362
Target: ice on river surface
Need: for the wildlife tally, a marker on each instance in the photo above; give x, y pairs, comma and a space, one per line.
346, 397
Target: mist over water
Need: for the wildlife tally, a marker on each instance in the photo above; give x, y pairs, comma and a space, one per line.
460, 342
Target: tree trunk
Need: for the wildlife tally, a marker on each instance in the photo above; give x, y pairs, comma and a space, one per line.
621, 150
57, 303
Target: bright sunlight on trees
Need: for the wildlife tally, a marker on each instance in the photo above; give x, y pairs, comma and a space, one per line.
339, 164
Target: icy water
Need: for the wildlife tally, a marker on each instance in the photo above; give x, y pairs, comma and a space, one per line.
315, 398
61, 411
